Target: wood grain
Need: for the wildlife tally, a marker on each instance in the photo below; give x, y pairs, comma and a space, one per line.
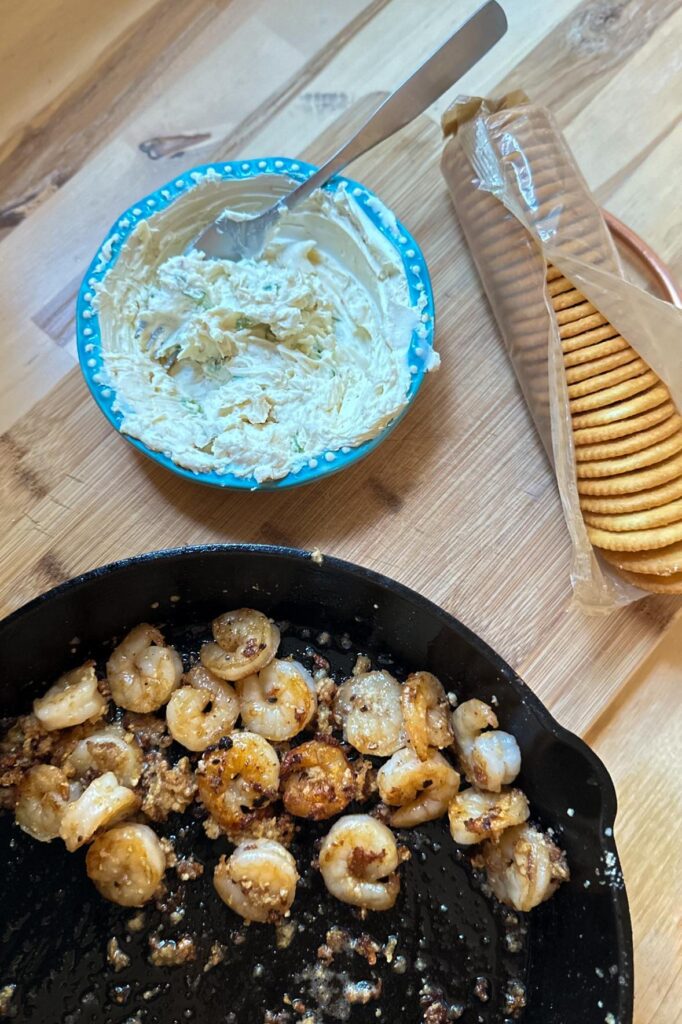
583, 53
99, 107
48, 148
647, 714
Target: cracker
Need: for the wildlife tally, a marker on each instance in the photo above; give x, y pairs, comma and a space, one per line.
520, 312
654, 584
513, 272
623, 410
619, 504
523, 314
553, 274
618, 393
497, 252
592, 352
647, 519
596, 366
638, 480
576, 313
606, 380
631, 443
659, 562
567, 299
655, 453
583, 248
493, 234
636, 540
587, 353
588, 338
569, 329
558, 286
625, 427
574, 209
544, 182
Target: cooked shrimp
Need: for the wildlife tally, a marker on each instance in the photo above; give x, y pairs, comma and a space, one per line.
142, 671
245, 641
258, 880
490, 759
110, 749
103, 803
368, 707
426, 712
238, 779
524, 868
475, 816
73, 699
278, 702
126, 864
42, 795
202, 713
318, 780
358, 861
421, 790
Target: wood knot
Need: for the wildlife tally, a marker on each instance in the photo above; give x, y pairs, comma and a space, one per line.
172, 145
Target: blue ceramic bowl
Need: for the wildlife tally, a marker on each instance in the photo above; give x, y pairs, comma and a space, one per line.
87, 322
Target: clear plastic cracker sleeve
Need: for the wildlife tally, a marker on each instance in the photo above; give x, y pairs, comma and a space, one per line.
523, 204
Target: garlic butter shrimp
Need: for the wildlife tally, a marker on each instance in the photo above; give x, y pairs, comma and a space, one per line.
358, 860
318, 781
201, 713
490, 759
73, 699
143, 671
245, 641
369, 709
422, 790
238, 779
427, 714
109, 749
524, 868
103, 803
258, 880
279, 701
126, 864
475, 815
42, 796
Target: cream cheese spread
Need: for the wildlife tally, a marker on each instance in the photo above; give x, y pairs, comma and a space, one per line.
258, 367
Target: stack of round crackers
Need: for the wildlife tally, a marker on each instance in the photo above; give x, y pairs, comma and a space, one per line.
628, 445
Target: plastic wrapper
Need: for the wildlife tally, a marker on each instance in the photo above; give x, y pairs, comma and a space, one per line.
523, 204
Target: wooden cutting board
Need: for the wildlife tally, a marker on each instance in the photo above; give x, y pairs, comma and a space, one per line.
102, 103
459, 503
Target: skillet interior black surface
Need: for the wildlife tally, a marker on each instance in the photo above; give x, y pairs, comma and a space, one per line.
572, 955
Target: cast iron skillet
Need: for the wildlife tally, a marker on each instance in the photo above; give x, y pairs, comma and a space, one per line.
459, 954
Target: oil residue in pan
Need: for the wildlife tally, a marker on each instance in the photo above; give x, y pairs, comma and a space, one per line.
445, 952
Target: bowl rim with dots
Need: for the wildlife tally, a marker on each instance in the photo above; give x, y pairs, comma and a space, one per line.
401, 240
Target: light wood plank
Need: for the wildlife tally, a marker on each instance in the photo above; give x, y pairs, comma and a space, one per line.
634, 112
649, 198
46, 47
583, 52
639, 740
404, 33
171, 73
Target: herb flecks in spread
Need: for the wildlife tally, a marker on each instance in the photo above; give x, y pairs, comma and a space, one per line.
257, 367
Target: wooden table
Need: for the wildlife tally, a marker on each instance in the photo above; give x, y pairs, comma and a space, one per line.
101, 103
